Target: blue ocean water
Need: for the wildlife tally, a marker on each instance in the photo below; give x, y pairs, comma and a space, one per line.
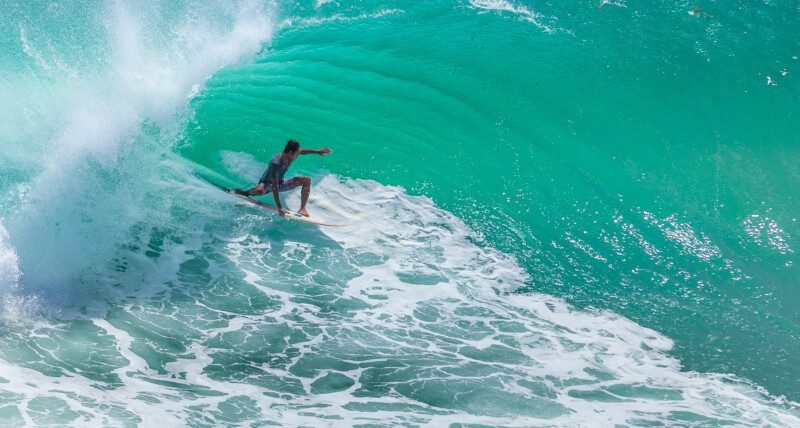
555, 213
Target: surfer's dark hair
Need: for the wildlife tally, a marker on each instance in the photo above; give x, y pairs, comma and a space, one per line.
291, 147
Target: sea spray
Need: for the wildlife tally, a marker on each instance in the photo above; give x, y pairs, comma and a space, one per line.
15, 307
9, 264
93, 176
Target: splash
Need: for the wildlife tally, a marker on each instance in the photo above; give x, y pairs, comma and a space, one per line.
15, 308
9, 263
116, 120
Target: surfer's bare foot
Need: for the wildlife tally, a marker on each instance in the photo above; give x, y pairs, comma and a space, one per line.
303, 212
241, 192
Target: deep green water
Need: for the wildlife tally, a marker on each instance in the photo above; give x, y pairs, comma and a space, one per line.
556, 212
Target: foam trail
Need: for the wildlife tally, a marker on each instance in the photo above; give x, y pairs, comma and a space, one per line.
517, 10
396, 318
618, 359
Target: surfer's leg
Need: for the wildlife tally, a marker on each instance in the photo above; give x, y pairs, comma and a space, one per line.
259, 190
306, 190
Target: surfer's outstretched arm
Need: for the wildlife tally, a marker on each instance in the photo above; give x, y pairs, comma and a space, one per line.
321, 152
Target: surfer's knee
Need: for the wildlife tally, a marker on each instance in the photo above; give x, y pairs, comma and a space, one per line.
258, 190
305, 180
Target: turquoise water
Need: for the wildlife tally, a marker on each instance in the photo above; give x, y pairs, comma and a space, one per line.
555, 214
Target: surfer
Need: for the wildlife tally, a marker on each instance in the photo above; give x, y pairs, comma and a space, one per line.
273, 181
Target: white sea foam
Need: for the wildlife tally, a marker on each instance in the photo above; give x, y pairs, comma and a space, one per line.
612, 3
765, 232
517, 10
577, 342
338, 17
398, 313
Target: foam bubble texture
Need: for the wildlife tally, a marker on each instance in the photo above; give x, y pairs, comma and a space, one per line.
397, 318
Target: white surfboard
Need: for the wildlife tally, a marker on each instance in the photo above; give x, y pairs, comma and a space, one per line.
287, 214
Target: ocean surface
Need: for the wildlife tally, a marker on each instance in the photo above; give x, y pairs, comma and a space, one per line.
579, 213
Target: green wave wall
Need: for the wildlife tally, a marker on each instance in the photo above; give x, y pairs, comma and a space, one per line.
641, 159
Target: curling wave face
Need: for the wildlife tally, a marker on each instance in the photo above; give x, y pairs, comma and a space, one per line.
565, 272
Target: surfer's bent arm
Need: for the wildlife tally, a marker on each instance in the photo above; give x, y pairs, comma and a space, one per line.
321, 152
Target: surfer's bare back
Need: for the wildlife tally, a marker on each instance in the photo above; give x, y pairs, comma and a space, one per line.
273, 181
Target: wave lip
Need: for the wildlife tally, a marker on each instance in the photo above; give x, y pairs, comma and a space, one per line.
111, 123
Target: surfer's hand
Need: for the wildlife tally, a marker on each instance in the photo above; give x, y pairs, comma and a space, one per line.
325, 151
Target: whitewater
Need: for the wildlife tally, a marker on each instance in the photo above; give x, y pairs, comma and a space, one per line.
135, 294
